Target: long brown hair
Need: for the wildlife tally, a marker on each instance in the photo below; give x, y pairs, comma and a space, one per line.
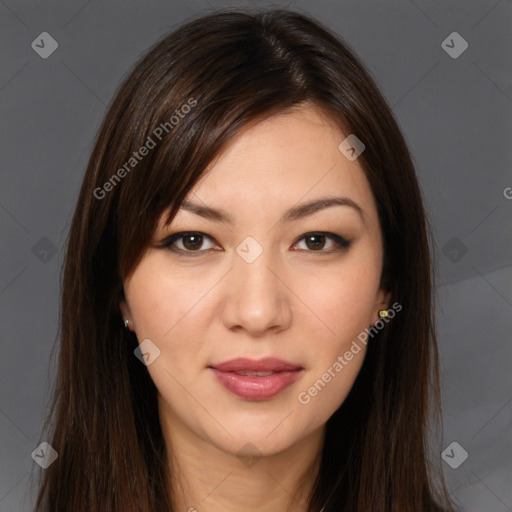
196, 89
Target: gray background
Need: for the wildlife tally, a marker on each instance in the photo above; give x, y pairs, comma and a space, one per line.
456, 117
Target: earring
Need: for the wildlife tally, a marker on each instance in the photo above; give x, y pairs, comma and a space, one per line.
383, 313
126, 322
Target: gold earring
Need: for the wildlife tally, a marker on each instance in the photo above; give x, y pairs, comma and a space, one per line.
383, 313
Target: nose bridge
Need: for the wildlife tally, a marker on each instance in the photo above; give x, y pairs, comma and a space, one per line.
256, 301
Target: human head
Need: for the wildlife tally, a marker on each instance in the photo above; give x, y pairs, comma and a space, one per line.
203, 86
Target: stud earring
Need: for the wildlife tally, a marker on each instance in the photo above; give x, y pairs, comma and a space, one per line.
383, 313
126, 322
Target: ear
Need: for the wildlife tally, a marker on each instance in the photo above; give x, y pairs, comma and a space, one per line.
125, 311
382, 301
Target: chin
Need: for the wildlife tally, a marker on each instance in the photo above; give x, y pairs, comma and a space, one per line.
257, 438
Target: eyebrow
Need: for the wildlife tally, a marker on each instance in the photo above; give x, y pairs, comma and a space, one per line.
293, 214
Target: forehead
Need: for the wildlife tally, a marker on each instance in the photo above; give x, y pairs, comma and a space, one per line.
279, 162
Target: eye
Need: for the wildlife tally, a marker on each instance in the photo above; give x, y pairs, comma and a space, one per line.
315, 242
187, 241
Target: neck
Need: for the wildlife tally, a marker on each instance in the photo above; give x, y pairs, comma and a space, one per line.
205, 478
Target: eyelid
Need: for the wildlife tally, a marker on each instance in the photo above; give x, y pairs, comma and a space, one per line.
339, 241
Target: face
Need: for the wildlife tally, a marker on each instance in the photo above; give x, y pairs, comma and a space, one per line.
256, 312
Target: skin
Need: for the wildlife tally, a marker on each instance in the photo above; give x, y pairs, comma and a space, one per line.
297, 301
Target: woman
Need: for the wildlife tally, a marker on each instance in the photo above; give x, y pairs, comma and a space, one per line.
247, 294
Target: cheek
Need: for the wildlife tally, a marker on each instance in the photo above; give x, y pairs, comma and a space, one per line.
342, 310
172, 310
329, 383
161, 302
159, 310
341, 302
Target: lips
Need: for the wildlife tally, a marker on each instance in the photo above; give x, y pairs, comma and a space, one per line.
256, 380
269, 364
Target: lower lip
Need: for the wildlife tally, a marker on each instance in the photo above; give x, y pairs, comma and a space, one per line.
256, 388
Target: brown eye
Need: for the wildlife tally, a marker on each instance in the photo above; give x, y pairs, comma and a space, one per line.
316, 242
188, 241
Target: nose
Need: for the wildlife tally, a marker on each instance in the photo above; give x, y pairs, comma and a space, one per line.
256, 300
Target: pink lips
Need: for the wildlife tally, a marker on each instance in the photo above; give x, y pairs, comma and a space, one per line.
239, 376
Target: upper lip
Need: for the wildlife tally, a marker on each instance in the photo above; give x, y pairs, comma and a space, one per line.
266, 364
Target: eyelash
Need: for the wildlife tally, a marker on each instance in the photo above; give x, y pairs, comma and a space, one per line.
340, 242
